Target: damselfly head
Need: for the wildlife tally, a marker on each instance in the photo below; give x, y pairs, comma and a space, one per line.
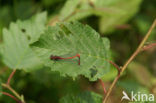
53, 57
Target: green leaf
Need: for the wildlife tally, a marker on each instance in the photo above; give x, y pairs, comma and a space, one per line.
5, 17
1, 49
144, 102
26, 8
141, 73
124, 10
68, 8
131, 85
49, 3
0, 88
143, 24
72, 38
84, 97
75, 10
33, 27
16, 52
111, 12
110, 75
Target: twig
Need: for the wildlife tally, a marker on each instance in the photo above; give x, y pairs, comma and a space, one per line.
116, 66
119, 70
148, 46
130, 59
12, 90
7, 85
123, 26
10, 77
11, 96
73, 13
53, 21
103, 86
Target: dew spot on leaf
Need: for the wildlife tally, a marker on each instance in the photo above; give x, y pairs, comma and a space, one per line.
93, 71
28, 37
65, 29
23, 30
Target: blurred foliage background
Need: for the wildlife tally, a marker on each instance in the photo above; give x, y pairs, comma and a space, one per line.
125, 29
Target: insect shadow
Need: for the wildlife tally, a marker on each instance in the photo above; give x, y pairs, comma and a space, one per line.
93, 71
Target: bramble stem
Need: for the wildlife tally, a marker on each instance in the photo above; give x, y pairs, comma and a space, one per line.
103, 86
130, 59
10, 77
11, 96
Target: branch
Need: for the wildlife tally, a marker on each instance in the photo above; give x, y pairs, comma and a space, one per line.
130, 59
11, 96
10, 77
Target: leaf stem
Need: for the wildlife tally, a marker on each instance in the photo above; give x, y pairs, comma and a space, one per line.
130, 59
12, 90
11, 96
116, 66
10, 77
103, 86
148, 46
7, 85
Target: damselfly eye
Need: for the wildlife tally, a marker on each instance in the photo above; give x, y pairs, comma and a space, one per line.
52, 57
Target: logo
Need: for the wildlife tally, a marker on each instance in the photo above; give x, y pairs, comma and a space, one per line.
137, 96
